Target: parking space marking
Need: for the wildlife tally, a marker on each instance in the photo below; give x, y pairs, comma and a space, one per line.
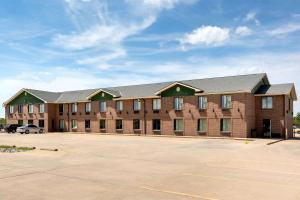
236, 179
195, 196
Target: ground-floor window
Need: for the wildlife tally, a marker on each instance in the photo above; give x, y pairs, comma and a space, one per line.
136, 124
178, 125
119, 124
30, 121
20, 122
156, 124
87, 124
74, 124
61, 124
102, 124
202, 125
225, 125
41, 123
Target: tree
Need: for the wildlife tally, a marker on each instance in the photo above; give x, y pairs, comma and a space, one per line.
297, 119
2, 121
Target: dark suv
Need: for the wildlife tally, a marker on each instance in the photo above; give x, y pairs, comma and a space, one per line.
11, 128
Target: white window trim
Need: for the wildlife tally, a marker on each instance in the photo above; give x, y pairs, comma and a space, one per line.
11, 109
182, 124
230, 120
181, 105
74, 109
154, 105
74, 120
200, 103
104, 109
42, 110
223, 101
267, 104
139, 104
30, 108
199, 131
119, 105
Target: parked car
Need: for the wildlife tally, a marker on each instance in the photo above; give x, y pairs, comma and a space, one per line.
11, 128
296, 129
29, 129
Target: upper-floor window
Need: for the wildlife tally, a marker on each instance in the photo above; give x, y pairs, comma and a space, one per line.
267, 102
20, 108
202, 102
102, 106
178, 103
11, 109
119, 105
30, 108
74, 107
41, 108
61, 108
136, 104
156, 104
88, 107
226, 101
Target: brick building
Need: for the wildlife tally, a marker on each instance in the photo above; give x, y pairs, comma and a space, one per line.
236, 106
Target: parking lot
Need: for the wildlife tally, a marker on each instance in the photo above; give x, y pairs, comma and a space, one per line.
138, 167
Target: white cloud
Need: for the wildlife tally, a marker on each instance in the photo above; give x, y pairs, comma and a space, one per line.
100, 35
251, 16
207, 35
165, 4
243, 31
285, 29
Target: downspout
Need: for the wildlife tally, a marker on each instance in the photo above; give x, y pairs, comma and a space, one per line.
68, 117
145, 123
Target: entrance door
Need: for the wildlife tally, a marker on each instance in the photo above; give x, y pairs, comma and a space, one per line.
267, 128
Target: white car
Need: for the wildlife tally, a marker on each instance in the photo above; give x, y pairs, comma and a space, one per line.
296, 129
29, 129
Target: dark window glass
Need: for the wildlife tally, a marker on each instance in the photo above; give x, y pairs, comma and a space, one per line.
102, 124
41, 123
156, 124
30, 121
20, 108
61, 108
87, 123
136, 124
119, 124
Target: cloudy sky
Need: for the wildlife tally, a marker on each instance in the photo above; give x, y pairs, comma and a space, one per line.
62, 45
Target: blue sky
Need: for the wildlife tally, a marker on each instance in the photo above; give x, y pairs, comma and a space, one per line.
62, 45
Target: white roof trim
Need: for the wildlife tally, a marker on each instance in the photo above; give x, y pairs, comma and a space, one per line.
18, 93
177, 83
100, 90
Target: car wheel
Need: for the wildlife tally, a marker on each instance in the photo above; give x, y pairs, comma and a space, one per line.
27, 131
13, 131
41, 131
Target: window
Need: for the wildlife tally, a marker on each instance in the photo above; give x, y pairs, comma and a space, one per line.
225, 125
41, 123
87, 124
30, 109
20, 122
178, 124
62, 124
119, 124
156, 104
267, 102
102, 124
74, 124
102, 106
88, 107
41, 108
30, 121
136, 105
136, 124
74, 107
202, 102
156, 124
61, 108
119, 105
226, 101
20, 108
202, 125
178, 103
11, 109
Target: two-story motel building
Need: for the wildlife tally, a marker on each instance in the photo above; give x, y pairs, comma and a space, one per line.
236, 106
